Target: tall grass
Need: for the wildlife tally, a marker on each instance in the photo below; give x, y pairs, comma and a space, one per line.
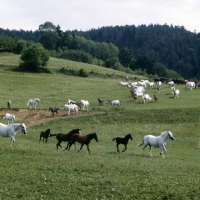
33, 170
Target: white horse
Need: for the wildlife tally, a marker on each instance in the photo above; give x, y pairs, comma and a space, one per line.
9, 118
84, 104
150, 84
11, 130
124, 84
146, 98
159, 83
114, 102
175, 92
71, 107
159, 141
171, 83
190, 85
33, 102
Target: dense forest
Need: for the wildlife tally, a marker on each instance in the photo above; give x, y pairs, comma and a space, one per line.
156, 49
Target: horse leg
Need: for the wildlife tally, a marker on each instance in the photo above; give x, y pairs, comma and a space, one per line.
12, 140
143, 149
125, 148
117, 145
88, 148
81, 147
150, 150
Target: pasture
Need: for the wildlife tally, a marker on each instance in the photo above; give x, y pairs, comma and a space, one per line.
33, 170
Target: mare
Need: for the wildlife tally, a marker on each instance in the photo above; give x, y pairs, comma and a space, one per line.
123, 141
33, 102
159, 141
53, 110
9, 118
11, 130
45, 135
85, 104
8, 104
65, 137
83, 139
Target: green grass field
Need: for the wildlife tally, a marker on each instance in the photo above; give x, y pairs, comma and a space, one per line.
33, 170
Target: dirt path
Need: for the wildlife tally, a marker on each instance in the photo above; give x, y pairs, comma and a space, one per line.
37, 117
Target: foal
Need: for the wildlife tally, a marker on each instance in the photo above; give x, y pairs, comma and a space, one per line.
123, 141
45, 135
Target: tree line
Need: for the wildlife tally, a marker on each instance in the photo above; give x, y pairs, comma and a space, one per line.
157, 50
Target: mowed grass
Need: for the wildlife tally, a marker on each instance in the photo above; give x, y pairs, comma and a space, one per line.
33, 170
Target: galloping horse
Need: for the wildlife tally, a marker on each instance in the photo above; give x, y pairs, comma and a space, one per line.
53, 110
159, 141
33, 102
11, 130
123, 141
65, 137
45, 135
83, 139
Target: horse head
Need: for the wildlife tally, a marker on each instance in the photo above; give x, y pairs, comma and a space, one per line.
23, 128
130, 136
170, 136
95, 137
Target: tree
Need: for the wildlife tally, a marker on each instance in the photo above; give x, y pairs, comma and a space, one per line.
34, 59
125, 56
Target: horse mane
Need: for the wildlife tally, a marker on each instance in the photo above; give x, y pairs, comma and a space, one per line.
163, 133
91, 134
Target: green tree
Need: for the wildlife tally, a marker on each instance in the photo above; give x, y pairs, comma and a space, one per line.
125, 56
34, 59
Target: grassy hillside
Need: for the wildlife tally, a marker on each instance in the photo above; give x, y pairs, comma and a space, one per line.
38, 171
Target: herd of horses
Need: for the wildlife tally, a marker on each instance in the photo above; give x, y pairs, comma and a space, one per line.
75, 136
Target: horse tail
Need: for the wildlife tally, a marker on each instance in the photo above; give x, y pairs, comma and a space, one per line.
52, 135
114, 139
140, 144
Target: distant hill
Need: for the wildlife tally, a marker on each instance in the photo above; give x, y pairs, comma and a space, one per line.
173, 46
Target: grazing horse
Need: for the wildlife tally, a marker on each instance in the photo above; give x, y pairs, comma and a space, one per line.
83, 139
11, 130
123, 141
159, 141
33, 102
100, 100
45, 135
65, 137
8, 104
84, 104
53, 110
9, 118
114, 102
